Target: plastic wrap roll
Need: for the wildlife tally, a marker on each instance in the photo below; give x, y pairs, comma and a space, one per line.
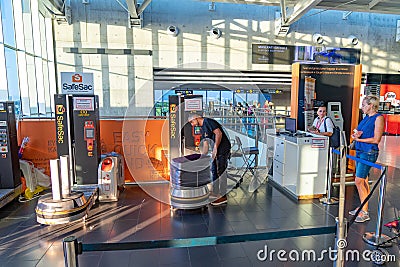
65, 179
55, 179
191, 170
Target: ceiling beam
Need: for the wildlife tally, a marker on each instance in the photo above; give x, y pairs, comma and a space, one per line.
132, 4
53, 6
136, 9
143, 6
300, 9
373, 3
283, 12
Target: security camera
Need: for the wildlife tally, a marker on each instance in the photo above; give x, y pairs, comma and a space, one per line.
318, 38
352, 40
172, 30
215, 33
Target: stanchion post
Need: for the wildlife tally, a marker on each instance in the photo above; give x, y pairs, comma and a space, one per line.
330, 175
341, 234
377, 238
329, 200
70, 248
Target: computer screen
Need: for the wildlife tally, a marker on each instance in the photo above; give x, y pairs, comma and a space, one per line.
290, 125
335, 108
89, 133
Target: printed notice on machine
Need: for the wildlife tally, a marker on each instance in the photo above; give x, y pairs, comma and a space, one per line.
193, 104
318, 142
84, 103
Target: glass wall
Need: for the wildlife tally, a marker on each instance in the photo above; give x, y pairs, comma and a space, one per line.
26, 58
213, 100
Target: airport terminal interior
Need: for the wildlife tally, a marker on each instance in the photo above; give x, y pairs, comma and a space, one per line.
116, 116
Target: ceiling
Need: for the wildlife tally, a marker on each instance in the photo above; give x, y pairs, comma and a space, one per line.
293, 10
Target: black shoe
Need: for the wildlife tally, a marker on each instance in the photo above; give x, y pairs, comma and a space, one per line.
220, 201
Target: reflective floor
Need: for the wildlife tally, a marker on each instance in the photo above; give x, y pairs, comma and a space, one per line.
137, 216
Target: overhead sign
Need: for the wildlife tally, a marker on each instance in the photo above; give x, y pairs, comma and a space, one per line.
184, 92
288, 54
272, 54
77, 83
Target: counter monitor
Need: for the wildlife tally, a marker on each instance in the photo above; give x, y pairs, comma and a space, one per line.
290, 125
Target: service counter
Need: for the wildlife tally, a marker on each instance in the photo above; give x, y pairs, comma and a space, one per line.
300, 164
392, 123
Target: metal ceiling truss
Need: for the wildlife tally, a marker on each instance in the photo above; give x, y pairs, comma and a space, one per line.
301, 6
135, 12
58, 9
292, 14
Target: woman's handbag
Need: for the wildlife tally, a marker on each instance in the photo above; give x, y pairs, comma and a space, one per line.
334, 139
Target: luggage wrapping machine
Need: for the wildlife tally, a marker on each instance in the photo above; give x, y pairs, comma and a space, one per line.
190, 176
74, 175
189, 171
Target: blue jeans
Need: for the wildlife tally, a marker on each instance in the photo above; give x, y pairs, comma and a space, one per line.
219, 176
362, 170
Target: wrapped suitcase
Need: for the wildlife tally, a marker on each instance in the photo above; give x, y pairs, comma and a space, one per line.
191, 170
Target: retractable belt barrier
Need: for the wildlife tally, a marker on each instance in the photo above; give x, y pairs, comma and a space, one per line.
374, 238
72, 248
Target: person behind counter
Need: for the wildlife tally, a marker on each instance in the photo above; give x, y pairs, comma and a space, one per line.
367, 137
322, 125
212, 130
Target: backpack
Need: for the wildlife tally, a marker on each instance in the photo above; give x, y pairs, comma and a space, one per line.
334, 139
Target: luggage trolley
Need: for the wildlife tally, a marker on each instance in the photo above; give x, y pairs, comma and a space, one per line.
190, 176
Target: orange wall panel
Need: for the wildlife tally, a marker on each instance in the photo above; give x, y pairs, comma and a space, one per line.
143, 143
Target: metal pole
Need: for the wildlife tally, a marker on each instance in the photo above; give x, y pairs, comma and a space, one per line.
329, 200
381, 204
330, 175
71, 145
378, 238
341, 221
70, 248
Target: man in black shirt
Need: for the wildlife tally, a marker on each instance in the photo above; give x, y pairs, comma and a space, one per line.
212, 130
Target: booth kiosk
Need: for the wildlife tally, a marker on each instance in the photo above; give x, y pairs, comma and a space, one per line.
190, 171
78, 147
10, 176
300, 164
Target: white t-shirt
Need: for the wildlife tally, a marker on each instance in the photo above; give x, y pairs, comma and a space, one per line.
321, 125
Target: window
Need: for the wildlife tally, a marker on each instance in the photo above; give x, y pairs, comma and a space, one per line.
27, 59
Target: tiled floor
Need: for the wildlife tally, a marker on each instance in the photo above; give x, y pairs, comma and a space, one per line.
139, 217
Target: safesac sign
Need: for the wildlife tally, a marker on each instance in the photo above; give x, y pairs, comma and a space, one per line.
77, 83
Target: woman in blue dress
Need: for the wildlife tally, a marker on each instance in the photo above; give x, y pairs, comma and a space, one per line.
367, 136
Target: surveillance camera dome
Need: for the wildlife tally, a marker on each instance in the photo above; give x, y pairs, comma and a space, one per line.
318, 38
352, 40
172, 30
215, 33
